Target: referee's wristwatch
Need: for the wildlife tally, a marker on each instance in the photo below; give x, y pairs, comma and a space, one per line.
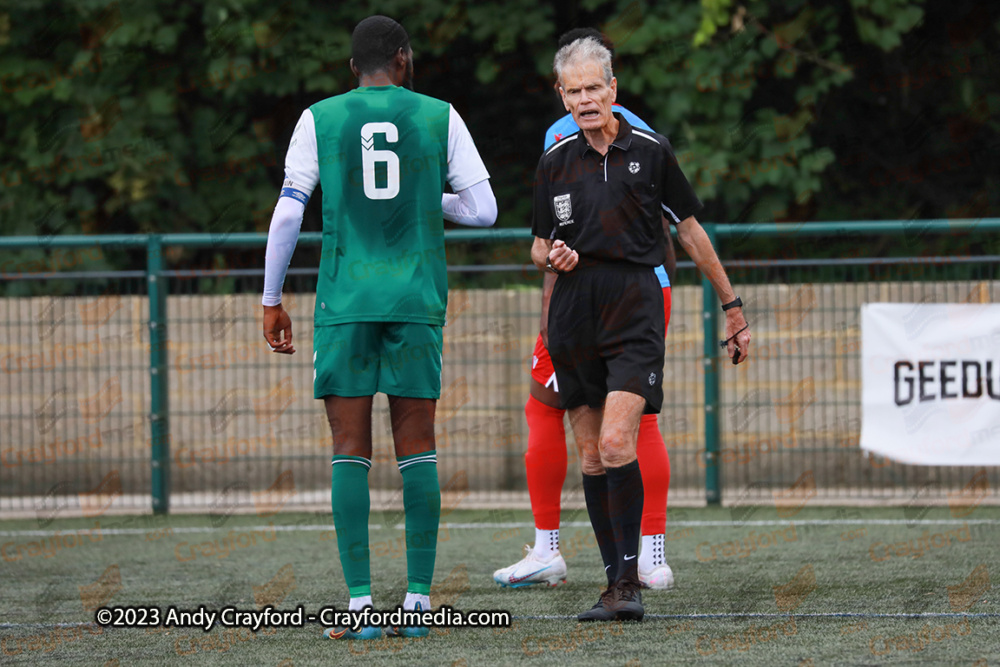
735, 303
551, 267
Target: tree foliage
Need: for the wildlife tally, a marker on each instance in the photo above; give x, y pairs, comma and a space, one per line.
162, 116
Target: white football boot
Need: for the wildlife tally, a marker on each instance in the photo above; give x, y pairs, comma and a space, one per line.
659, 578
532, 571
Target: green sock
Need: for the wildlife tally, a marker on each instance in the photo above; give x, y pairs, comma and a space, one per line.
422, 501
351, 505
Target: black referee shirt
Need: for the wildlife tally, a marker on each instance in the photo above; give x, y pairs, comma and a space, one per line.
608, 207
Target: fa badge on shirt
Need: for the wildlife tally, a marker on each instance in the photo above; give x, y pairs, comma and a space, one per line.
564, 208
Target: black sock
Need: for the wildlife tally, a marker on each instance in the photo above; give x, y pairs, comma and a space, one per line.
595, 492
625, 498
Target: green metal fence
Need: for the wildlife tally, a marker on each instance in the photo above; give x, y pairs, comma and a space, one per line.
152, 389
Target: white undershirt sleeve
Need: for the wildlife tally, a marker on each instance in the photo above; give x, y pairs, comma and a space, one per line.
301, 177
475, 206
281, 240
465, 167
302, 160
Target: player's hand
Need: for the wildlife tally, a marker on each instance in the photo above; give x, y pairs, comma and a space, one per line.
737, 341
563, 257
276, 323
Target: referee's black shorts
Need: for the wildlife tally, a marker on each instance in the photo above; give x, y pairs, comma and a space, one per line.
606, 331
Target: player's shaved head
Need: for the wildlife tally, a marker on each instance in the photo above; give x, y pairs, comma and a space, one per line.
375, 42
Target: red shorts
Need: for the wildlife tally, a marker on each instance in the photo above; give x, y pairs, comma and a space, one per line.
541, 364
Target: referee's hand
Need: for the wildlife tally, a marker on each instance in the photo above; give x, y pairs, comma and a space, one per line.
277, 322
737, 341
563, 257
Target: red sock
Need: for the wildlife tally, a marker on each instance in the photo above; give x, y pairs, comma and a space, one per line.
545, 461
654, 464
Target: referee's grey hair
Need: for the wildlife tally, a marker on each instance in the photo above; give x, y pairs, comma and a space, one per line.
581, 50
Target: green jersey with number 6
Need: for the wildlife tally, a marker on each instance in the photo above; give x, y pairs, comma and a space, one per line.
384, 154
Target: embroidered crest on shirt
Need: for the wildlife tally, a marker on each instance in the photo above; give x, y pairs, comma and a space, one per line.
633, 167
564, 207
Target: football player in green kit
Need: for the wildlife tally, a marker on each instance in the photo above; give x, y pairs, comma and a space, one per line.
382, 154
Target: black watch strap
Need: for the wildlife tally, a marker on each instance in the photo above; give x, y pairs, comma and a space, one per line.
551, 267
735, 303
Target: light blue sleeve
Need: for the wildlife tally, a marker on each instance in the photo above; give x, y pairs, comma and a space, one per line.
563, 127
634, 120
661, 273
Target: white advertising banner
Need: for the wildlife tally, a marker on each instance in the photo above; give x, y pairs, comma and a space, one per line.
930, 383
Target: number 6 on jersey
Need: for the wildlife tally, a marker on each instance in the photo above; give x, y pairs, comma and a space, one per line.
370, 157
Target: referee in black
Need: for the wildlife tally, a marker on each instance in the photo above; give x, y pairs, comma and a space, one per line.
598, 200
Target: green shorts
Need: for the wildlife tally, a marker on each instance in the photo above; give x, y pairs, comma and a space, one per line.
364, 358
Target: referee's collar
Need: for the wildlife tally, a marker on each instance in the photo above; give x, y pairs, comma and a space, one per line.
622, 140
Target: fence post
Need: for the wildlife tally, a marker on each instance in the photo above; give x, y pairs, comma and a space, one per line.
158, 377
709, 306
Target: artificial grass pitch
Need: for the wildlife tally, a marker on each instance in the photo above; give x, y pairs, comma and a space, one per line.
827, 586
